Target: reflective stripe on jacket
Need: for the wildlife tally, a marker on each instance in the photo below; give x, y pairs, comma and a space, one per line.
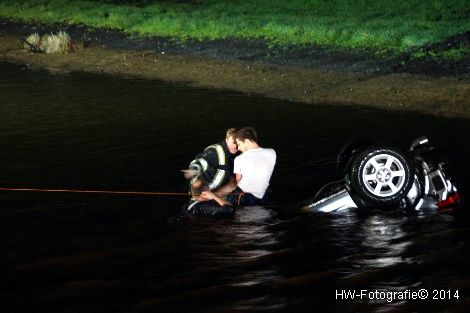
216, 163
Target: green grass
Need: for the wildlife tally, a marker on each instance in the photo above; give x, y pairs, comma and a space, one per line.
452, 53
380, 25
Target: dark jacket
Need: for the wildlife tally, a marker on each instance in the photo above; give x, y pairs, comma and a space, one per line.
216, 164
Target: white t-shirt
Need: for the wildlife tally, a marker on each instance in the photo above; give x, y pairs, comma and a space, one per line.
256, 167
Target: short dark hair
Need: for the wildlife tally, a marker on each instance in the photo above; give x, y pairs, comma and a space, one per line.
247, 133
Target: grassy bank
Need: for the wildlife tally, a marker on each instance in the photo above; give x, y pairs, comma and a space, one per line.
380, 25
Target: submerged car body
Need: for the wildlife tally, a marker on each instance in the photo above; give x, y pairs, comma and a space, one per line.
380, 176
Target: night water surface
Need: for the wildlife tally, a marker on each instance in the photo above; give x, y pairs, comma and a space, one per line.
121, 253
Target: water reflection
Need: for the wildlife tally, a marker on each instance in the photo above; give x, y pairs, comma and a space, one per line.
243, 244
377, 233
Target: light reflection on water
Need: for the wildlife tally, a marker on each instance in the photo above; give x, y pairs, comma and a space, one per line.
88, 131
378, 232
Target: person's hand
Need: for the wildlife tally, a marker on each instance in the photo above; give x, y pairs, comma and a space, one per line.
208, 195
211, 196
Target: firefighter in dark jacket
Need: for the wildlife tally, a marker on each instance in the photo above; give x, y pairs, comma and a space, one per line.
212, 169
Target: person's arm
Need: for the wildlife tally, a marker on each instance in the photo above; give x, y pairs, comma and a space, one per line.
201, 163
227, 188
211, 196
237, 169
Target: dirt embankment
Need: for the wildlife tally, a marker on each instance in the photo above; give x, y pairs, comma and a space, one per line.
301, 75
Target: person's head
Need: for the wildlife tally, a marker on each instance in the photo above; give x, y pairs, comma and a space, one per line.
230, 140
246, 138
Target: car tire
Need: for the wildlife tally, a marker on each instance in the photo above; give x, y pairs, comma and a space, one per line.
381, 175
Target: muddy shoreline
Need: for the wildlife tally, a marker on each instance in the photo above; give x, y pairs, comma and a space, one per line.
307, 75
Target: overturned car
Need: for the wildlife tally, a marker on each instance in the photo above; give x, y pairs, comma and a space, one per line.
380, 176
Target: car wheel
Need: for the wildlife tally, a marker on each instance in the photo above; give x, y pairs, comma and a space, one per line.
381, 175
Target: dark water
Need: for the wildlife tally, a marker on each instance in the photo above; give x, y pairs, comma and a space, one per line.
105, 253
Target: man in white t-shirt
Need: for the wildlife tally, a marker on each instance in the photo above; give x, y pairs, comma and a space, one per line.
252, 169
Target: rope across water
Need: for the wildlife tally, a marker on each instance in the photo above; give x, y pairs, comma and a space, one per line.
109, 192
113, 192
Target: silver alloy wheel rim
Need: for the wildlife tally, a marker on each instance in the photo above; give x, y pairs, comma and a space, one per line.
383, 175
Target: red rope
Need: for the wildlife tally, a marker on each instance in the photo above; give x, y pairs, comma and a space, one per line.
114, 192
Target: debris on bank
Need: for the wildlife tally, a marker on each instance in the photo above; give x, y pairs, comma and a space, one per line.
48, 43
